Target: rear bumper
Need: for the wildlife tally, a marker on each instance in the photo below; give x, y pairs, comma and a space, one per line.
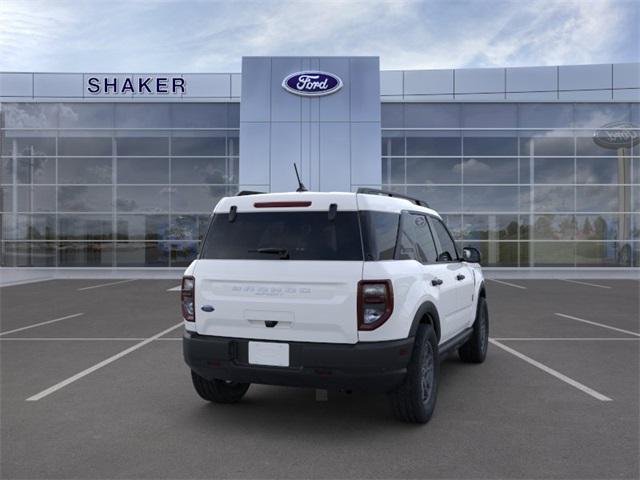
374, 366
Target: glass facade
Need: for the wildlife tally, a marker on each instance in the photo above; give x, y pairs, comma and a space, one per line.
524, 183
132, 184
112, 184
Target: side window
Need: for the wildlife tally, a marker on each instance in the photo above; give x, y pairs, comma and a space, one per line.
447, 247
416, 242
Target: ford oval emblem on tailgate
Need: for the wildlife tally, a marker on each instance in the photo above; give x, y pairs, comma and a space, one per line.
312, 83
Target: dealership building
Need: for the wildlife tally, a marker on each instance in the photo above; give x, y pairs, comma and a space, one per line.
537, 167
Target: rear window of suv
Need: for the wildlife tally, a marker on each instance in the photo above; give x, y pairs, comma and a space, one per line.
284, 235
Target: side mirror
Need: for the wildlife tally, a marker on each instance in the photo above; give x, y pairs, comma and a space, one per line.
471, 255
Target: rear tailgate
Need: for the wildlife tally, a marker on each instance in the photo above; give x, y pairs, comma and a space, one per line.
285, 300
281, 267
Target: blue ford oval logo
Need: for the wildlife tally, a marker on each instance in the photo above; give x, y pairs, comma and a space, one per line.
617, 135
312, 83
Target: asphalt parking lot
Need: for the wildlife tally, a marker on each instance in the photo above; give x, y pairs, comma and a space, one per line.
93, 385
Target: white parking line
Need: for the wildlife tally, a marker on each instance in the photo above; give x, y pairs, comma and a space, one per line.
507, 283
107, 284
584, 283
41, 323
78, 376
560, 339
175, 289
598, 324
552, 372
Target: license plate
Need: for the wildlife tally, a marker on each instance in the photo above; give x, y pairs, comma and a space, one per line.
268, 353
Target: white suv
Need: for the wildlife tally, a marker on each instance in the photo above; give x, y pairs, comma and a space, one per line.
346, 291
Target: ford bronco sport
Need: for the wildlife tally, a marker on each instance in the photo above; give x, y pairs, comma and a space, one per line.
346, 291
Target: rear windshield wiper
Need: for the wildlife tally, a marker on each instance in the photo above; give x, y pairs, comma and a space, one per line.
283, 252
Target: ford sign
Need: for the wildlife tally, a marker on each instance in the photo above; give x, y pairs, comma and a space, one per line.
617, 135
312, 83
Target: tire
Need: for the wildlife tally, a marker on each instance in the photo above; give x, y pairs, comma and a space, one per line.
415, 399
474, 350
219, 391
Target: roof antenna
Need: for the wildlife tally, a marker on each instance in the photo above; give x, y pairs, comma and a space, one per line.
301, 187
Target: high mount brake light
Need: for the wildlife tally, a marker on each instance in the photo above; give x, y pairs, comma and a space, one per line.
375, 303
187, 299
281, 204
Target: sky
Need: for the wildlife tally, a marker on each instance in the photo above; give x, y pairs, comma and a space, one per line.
212, 36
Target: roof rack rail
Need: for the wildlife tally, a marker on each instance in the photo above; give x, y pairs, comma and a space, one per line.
242, 193
375, 191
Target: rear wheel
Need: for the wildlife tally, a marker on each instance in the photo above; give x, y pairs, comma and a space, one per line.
219, 391
474, 350
415, 399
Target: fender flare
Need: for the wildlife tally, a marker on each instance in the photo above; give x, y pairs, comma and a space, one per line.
427, 308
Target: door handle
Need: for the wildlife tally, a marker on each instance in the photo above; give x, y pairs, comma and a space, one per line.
460, 277
436, 281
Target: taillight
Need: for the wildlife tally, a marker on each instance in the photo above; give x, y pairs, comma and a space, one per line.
375, 303
187, 299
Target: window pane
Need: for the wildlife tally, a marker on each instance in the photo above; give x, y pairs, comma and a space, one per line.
380, 230
391, 115
598, 114
183, 253
28, 227
138, 254
30, 115
490, 227
429, 115
434, 170
200, 170
212, 144
143, 227
552, 254
36, 170
487, 146
540, 145
142, 146
392, 144
442, 199
188, 227
545, 115
85, 227
29, 254
602, 170
490, 199
200, 115
490, 170
603, 198
484, 115
196, 199
143, 170
86, 115
34, 145
85, 199
84, 170
415, 240
79, 146
429, 144
604, 254
143, 199
144, 115
36, 199
553, 199
554, 227
497, 254
80, 254
454, 224
446, 244
553, 170
601, 226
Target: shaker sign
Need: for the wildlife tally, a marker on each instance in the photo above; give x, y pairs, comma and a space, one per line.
617, 135
312, 83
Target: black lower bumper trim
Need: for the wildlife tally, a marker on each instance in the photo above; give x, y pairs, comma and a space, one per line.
371, 366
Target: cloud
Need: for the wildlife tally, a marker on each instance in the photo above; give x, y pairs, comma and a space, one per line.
212, 36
